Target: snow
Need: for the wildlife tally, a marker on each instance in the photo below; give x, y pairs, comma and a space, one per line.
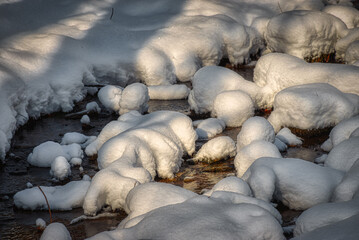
255, 128
249, 153
110, 97
233, 107
321, 105
76, 161
93, 107
85, 119
298, 184
343, 44
204, 218
287, 137
75, 137
231, 184
56, 231
209, 128
319, 32
276, 71
40, 224
168, 92
349, 15
134, 97
60, 168
216, 149
352, 52
60, 198
349, 186
280, 145
29, 185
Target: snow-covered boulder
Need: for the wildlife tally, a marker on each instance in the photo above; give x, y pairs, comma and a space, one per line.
209, 128
60, 198
304, 34
210, 81
298, 184
276, 71
248, 154
134, 97
233, 107
312, 106
287, 137
349, 186
255, 128
110, 97
56, 231
85, 119
168, 92
216, 149
60, 168
231, 184
349, 15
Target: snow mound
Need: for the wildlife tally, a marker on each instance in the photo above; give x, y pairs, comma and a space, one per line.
319, 32
209, 128
56, 231
153, 145
280, 145
79, 138
210, 81
276, 71
134, 97
85, 119
168, 92
216, 149
255, 128
60, 198
298, 184
60, 168
223, 220
40, 224
93, 107
231, 184
312, 106
352, 53
110, 97
349, 186
349, 15
248, 154
343, 44
233, 107
287, 137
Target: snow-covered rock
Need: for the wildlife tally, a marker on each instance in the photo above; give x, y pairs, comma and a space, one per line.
134, 97
255, 128
280, 145
75, 137
312, 106
85, 119
93, 107
349, 15
40, 224
343, 44
168, 92
249, 153
352, 52
209, 128
60, 198
349, 186
110, 97
319, 32
276, 71
60, 168
216, 149
56, 231
287, 137
231, 184
233, 107
298, 184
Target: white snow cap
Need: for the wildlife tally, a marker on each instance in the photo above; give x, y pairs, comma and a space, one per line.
134, 97
287, 137
255, 128
85, 119
60, 168
349, 186
233, 107
349, 15
343, 44
60, 198
75, 137
40, 224
298, 184
352, 52
216, 149
168, 92
210, 127
277, 71
110, 97
56, 231
93, 107
319, 32
231, 184
312, 106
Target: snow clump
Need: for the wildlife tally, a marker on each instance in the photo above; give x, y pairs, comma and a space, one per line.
93, 107
231, 184
110, 97
216, 149
60, 168
209, 128
79, 138
40, 224
168, 92
56, 231
287, 137
134, 97
85, 119
349, 15
343, 44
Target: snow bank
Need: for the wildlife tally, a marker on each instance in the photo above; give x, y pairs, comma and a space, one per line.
255, 128
231, 184
110, 97
60, 168
275, 72
312, 106
249, 153
349, 15
216, 149
319, 32
298, 184
204, 218
56, 231
209, 128
134, 97
153, 145
233, 107
168, 92
60, 198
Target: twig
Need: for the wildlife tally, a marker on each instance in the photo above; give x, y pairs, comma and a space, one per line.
48, 205
280, 8
112, 11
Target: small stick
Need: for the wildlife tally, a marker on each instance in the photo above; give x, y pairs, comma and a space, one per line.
280, 8
48, 205
112, 10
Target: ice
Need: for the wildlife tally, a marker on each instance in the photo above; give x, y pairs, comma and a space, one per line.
216, 149
60, 198
209, 128
40, 224
231, 184
255, 128
319, 32
93, 107
168, 92
85, 119
312, 106
110, 97
203, 218
210, 81
60, 168
249, 153
134, 97
233, 107
56, 231
287, 137
349, 15
276, 71
298, 184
